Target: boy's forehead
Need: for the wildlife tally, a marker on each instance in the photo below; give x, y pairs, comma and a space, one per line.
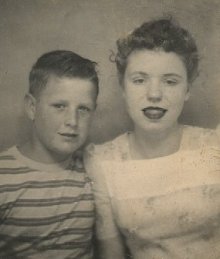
63, 80
60, 79
74, 86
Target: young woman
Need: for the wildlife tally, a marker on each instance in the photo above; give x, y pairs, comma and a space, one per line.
157, 188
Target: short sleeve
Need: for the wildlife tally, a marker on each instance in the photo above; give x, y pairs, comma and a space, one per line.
105, 223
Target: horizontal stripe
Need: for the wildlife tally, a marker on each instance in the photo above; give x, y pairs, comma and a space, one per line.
67, 245
86, 246
37, 184
39, 225
55, 234
7, 157
30, 222
24, 170
45, 202
17, 170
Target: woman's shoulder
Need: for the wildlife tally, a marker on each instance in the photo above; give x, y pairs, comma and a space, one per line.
115, 149
218, 130
198, 136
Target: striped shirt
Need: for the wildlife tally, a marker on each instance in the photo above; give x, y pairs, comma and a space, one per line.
46, 210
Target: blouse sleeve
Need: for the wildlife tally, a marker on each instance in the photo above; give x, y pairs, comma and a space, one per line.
208, 137
105, 223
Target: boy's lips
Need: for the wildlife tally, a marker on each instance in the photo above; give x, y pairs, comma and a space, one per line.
154, 113
69, 135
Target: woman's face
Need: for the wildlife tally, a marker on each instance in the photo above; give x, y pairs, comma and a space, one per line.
155, 89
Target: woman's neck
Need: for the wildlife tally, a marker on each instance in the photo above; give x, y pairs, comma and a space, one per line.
155, 144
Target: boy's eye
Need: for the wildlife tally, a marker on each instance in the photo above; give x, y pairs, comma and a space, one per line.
59, 106
171, 82
84, 109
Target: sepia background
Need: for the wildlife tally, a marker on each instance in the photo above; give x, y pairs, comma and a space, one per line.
29, 28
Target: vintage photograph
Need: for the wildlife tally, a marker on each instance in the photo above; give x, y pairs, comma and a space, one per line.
110, 129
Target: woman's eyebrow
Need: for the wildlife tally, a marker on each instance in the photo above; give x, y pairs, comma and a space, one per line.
172, 74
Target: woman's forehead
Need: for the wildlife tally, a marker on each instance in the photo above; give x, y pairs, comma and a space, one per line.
158, 61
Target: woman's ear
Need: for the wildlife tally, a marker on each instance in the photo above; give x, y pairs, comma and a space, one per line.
122, 88
30, 106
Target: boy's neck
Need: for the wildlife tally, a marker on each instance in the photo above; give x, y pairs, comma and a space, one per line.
32, 152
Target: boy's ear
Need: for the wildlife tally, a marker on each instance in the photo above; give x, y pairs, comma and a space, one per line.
187, 96
30, 106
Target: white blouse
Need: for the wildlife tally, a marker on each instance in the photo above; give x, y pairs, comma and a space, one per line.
167, 207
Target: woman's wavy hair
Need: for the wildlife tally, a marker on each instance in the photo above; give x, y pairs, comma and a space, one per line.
163, 34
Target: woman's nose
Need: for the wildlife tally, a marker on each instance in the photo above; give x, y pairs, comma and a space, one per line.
154, 91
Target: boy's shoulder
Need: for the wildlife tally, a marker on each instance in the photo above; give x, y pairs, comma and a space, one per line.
9, 150
8, 155
12, 159
10, 165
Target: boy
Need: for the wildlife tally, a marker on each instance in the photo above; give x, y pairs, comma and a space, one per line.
46, 204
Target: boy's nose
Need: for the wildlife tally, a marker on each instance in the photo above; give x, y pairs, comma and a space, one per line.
71, 119
154, 91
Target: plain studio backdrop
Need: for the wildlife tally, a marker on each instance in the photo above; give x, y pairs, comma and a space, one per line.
29, 28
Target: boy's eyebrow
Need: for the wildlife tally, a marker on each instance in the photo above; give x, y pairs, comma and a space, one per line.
138, 73
59, 100
66, 102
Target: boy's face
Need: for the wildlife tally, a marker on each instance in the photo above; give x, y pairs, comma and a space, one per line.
61, 116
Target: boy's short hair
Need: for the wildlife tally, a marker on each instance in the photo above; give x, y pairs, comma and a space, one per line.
61, 63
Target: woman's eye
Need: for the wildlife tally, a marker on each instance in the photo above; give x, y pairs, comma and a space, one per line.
138, 81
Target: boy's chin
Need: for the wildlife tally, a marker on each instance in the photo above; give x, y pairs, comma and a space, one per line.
66, 152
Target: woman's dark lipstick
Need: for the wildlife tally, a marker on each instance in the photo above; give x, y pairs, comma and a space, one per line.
154, 113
